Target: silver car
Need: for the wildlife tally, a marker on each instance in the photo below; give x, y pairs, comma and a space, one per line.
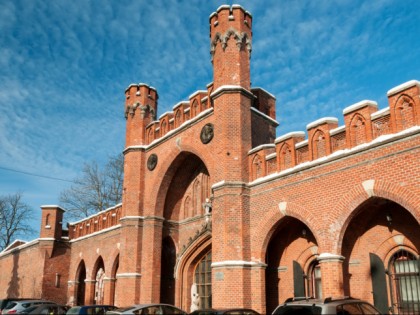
16, 307
335, 306
147, 309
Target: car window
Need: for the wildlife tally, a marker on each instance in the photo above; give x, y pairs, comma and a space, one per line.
11, 305
368, 309
74, 310
172, 310
349, 309
298, 310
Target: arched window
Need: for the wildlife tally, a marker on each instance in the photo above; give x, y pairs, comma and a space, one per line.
405, 278
202, 279
99, 281
314, 285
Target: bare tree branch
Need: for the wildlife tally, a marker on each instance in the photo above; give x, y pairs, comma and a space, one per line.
95, 190
14, 218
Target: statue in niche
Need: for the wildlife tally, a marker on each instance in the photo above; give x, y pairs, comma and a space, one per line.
195, 298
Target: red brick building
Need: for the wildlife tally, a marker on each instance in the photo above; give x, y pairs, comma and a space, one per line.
217, 211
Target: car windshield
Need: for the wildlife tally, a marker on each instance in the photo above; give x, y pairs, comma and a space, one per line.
74, 310
298, 310
10, 305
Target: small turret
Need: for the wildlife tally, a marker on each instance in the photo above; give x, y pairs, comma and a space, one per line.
51, 223
230, 47
140, 110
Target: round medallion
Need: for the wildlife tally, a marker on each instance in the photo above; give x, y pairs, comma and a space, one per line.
207, 133
152, 162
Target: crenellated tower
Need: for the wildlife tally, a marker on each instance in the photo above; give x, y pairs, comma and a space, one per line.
231, 45
140, 110
230, 49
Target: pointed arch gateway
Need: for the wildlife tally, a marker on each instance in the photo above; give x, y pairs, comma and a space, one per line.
193, 274
184, 191
292, 266
80, 284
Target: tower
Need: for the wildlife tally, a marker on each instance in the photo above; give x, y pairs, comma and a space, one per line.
230, 48
231, 37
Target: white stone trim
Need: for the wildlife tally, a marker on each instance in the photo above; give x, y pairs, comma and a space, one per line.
328, 257
282, 207
368, 187
359, 105
321, 121
337, 130
260, 88
301, 144
128, 275
384, 139
293, 134
261, 147
196, 93
97, 213
275, 122
403, 87
270, 156
380, 113
237, 263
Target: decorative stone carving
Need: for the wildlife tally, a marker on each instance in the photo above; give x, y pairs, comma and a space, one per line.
131, 109
207, 133
238, 37
152, 162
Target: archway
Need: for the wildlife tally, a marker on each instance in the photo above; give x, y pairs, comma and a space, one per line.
99, 272
80, 283
187, 187
378, 228
114, 281
167, 284
290, 257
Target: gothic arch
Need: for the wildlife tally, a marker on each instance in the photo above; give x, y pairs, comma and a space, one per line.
172, 163
257, 167
347, 205
185, 265
358, 130
404, 111
269, 223
80, 286
285, 157
319, 144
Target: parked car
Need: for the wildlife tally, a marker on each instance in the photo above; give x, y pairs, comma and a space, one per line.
230, 311
4, 302
17, 306
90, 309
338, 306
142, 309
47, 309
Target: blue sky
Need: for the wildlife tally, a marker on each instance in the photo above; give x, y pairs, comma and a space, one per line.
64, 66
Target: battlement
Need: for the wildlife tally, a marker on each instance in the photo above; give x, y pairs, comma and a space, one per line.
363, 124
140, 96
233, 15
182, 112
95, 223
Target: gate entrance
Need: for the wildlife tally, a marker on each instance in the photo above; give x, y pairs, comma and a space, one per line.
404, 282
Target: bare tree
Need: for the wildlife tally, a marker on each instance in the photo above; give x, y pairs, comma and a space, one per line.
96, 190
14, 219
